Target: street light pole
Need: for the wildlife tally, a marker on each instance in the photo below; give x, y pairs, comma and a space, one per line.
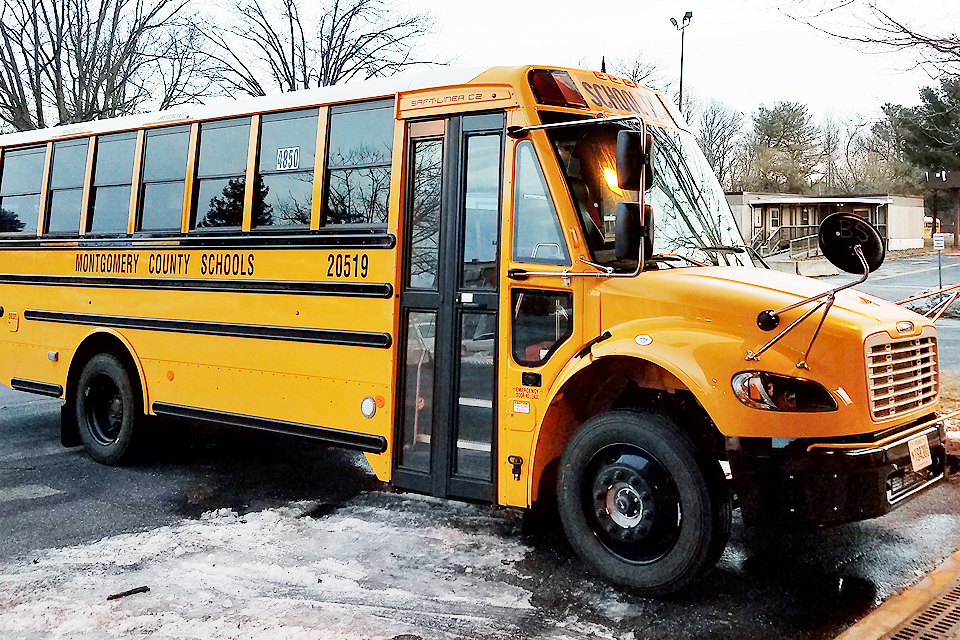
687, 17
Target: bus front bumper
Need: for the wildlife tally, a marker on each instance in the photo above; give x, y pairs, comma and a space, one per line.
822, 483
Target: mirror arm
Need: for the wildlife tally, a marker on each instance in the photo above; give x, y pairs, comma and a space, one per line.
519, 132
606, 270
756, 356
769, 320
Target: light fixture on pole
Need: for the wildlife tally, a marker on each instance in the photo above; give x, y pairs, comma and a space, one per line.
687, 17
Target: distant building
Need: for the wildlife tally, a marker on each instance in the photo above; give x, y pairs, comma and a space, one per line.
775, 222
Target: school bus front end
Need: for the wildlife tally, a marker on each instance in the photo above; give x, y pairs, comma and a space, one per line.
625, 384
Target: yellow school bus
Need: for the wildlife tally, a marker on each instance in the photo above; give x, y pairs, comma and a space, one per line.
500, 285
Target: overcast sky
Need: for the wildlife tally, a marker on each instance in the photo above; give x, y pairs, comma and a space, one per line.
742, 52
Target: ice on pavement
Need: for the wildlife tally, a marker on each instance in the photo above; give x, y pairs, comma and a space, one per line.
379, 567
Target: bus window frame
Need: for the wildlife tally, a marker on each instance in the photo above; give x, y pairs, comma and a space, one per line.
253, 121
89, 201
188, 128
386, 104
37, 230
277, 116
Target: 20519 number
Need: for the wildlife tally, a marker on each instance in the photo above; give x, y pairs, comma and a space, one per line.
346, 265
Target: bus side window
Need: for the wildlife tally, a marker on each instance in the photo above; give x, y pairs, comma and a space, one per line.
359, 150
288, 145
541, 321
537, 236
65, 197
112, 180
20, 185
164, 176
221, 173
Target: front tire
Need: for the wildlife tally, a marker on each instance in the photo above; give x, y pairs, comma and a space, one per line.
107, 409
639, 504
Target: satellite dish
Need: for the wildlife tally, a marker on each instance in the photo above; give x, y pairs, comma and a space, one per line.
840, 233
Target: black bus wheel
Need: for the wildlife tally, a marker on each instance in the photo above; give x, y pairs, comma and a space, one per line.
107, 409
639, 505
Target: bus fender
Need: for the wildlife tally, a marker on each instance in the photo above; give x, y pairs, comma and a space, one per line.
670, 344
100, 334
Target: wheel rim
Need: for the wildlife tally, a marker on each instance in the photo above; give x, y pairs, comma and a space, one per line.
104, 409
631, 503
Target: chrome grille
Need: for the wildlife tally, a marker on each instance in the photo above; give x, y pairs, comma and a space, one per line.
902, 375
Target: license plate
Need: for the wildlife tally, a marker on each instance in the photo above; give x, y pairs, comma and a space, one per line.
919, 453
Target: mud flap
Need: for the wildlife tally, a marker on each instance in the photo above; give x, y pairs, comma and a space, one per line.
69, 433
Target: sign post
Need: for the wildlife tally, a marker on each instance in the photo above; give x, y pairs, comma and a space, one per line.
938, 243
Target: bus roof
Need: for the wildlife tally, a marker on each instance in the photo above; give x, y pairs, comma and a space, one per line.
343, 93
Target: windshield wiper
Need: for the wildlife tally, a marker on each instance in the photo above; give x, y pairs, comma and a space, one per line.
676, 257
734, 249
724, 249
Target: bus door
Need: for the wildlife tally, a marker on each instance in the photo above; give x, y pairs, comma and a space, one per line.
448, 299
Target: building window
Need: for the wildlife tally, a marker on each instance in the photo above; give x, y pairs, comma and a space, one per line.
20, 186
774, 218
359, 151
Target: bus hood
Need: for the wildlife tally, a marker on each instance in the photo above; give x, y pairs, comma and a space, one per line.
736, 295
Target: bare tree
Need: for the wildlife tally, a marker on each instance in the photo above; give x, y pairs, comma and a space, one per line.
65, 61
288, 45
832, 135
643, 70
719, 131
866, 23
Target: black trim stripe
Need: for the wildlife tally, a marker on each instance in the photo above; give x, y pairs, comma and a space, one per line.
34, 386
307, 240
345, 289
345, 439
264, 332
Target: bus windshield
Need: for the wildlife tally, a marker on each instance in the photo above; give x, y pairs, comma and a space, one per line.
691, 216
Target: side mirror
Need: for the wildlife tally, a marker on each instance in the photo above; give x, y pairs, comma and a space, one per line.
840, 233
647, 231
633, 231
628, 230
634, 160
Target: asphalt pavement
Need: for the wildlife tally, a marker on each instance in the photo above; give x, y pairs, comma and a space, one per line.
68, 527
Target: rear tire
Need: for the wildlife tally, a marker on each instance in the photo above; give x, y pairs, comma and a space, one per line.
639, 504
107, 409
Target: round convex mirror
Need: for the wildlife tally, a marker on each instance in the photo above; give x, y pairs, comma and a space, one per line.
841, 232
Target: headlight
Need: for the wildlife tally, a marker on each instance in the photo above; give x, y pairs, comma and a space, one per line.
761, 390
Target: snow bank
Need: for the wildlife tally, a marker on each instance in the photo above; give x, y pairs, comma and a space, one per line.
368, 570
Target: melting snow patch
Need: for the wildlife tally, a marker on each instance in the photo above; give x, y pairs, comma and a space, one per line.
366, 571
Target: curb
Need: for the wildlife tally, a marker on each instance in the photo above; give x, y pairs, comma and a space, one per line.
899, 608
